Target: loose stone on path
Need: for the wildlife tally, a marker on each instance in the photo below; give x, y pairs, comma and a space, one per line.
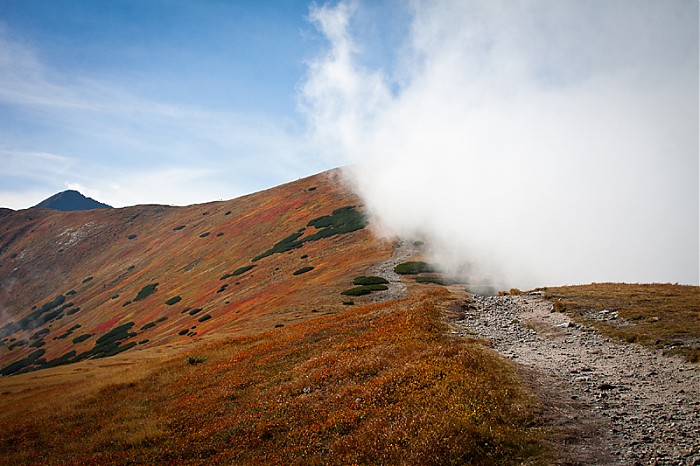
615, 403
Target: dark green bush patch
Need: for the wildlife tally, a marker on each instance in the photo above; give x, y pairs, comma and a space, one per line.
132, 237
148, 325
118, 333
364, 290
312, 188
378, 287
304, 256
413, 268
173, 300
110, 343
17, 344
238, 271
67, 332
107, 350
39, 334
37, 318
303, 270
348, 303
370, 281
146, 291
343, 220
219, 234
437, 280
23, 364
205, 234
72, 311
81, 338
143, 342
57, 314
223, 288
279, 325
195, 311
228, 212
70, 293
37, 344
179, 228
194, 360
61, 360
126, 303
114, 296
205, 317
284, 245
161, 319
357, 291
183, 332
88, 279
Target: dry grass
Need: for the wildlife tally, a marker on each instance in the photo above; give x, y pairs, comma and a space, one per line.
380, 384
659, 315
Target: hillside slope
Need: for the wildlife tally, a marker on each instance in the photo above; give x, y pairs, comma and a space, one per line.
86, 284
218, 333
378, 384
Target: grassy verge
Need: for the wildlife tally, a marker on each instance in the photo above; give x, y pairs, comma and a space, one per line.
379, 384
657, 315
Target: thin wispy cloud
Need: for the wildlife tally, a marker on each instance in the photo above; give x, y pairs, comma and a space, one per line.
531, 142
114, 136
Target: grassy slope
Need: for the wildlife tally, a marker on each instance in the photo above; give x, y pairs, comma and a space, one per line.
46, 253
658, 315
374, 384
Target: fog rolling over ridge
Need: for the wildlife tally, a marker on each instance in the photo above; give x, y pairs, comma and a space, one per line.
533, 143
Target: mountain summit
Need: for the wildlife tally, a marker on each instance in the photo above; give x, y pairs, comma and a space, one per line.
71, 200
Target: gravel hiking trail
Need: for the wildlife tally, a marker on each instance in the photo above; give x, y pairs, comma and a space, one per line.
402, 251
605, 402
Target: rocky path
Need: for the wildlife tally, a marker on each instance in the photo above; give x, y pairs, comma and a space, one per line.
607, 402
402, 251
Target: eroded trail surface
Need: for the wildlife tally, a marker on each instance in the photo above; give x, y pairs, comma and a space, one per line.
402, 251
611, 403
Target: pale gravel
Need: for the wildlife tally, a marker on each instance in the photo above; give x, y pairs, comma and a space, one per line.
607, 402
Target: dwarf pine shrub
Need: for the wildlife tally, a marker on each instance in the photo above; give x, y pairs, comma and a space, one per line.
413, 268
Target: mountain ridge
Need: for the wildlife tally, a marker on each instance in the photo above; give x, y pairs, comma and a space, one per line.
99, 261
122, 329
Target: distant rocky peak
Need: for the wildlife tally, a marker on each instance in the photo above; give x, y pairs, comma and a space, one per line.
71, 200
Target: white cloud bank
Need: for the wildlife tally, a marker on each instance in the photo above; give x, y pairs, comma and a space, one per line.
533, 143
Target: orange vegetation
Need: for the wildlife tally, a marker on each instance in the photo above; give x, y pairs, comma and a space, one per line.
94, 260
378, 384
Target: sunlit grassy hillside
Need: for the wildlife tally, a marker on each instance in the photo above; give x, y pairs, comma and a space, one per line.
83, 285
379, 384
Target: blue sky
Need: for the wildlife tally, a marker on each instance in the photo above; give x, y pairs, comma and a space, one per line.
539, 141
161, 101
